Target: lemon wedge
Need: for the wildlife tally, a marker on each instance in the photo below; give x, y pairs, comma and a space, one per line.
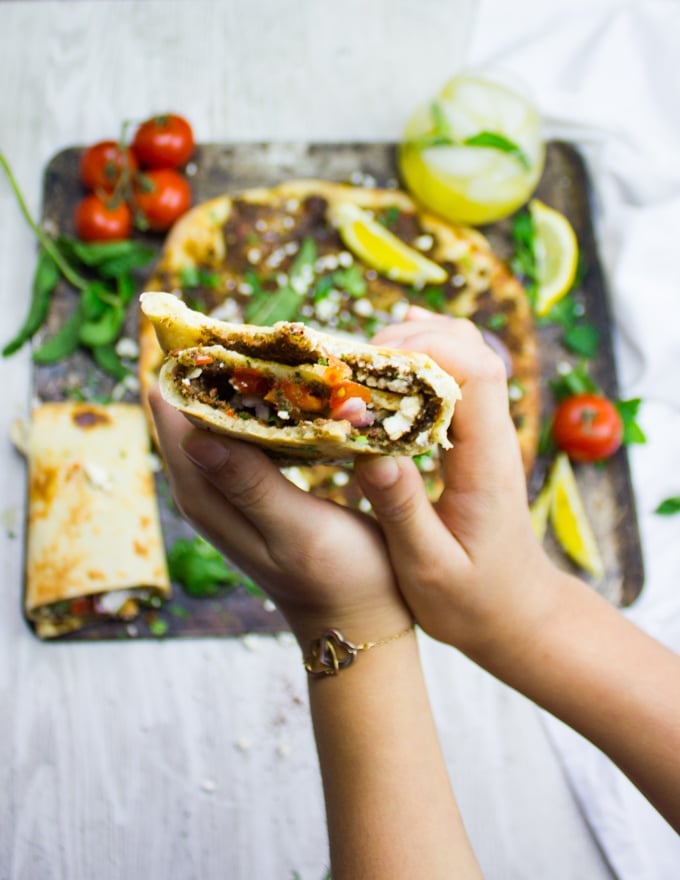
380, 249
475, 153
570, 521
556, 252
540, 510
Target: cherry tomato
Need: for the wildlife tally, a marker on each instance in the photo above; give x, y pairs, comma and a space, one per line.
249, 381
587, 427
162, 196
98, 220
345, 390
102, 163
165, 141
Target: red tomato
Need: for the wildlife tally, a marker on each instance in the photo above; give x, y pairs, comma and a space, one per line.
345, 390
164, 142
102, 163
297, 395
587, 427
162, 196
97, 220
248, 381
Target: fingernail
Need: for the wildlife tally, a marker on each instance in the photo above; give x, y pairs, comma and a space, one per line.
381, 472
205, 452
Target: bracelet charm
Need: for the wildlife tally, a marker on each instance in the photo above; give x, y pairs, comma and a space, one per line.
332, 652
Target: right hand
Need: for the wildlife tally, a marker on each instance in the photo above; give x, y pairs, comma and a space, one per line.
469, 566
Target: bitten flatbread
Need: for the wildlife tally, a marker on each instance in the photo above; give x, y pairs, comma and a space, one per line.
227, 255
303, 395
94, 547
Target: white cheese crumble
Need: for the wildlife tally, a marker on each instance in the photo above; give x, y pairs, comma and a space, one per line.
345, 259
398, 424
341, 478
363, 307
254, 255
424, 242
97, 476
399, 309
127, 348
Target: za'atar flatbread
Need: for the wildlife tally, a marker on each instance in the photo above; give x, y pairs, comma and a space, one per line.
235, 258
301, 394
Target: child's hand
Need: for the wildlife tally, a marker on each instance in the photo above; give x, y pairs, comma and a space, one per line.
325, 566
469, 566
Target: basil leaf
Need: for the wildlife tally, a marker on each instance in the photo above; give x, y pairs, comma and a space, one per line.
64, 342
669, 506
576, 381
498, 142
582, 339
351, 281
628, 410
280, 305
45, 280
105, 329
202, 570
106, 357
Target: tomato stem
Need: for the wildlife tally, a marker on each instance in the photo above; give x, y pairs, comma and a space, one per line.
48, 244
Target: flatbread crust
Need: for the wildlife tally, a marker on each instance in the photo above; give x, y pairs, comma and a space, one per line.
93, 522
411, 398
213, 250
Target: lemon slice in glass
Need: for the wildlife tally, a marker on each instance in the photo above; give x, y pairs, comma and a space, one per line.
556, 252
381, 249
474, 154
570, 521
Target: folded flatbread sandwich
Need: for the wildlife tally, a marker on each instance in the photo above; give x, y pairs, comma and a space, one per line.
301, 394
94, 545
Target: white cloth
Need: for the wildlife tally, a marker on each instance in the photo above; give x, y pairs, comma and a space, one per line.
604, 75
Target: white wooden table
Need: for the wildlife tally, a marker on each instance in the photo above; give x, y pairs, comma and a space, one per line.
195, 759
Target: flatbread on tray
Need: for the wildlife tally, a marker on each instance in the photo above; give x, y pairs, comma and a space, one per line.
226, 255
94, 545
302, 395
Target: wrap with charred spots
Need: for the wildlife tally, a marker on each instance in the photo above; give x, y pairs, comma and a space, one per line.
300, 394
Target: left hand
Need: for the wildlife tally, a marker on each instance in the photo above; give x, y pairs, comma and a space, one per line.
322, 564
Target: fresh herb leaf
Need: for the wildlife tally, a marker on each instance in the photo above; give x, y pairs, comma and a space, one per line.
576, 381
106, 357
158, 627
195, 276
523, 262
498, 142
280, 305
628, 410
201, 569
322, 288
350, 280
45, 280
669, 506
582, 339
64, 342
497, 321
390, 217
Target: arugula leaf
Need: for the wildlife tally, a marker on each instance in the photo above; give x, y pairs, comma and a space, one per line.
390, 217
669, 506
628, 410
195, 276
499, 142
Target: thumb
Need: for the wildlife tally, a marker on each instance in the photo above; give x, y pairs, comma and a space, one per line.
411, 526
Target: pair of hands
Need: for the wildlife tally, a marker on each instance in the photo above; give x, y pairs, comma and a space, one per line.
466, 567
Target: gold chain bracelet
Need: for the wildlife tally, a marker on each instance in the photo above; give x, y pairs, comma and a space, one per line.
332, 652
